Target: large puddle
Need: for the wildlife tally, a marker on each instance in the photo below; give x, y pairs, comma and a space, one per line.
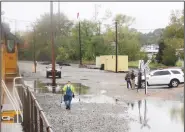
47, 88
156, 116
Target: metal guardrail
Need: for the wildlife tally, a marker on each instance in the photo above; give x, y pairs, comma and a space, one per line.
34, 119
12, 100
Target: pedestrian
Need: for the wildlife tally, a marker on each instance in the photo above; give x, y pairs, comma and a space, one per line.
68, 90
139, 79
133, 76
128, 80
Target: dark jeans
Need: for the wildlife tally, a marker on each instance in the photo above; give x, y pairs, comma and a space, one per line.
129, 84
67, 100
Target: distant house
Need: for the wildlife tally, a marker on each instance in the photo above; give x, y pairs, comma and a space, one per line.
151, 49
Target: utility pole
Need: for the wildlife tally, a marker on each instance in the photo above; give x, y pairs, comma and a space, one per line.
0, 63
99, 28
116, 27
53, 49
34, 60
59, 18
80, 44
15, 26
96, 6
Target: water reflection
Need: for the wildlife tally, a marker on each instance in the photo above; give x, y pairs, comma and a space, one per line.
156, 116
131, 105
177, 113
144, 121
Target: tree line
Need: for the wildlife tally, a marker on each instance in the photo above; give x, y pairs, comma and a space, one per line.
98, 38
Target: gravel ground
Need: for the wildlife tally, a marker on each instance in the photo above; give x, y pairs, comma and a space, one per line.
84, 117
104, 113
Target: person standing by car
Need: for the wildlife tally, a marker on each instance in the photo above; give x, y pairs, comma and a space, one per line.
139, 80
68, 90
133, 76
128, 80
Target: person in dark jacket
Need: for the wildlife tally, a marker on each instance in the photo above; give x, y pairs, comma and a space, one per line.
128, 79
139, 79
133, 76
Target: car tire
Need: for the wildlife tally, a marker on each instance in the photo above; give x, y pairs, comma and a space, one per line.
47, 75
174, 83
169, 85
59, 75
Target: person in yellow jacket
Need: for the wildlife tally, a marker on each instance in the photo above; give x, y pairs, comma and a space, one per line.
69, 91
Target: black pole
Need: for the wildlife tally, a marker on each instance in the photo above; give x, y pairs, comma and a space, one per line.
80, 44
53, 49
116, 26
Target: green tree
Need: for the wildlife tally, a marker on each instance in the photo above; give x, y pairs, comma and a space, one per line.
169, 57
161, 50
174, 38
42, 28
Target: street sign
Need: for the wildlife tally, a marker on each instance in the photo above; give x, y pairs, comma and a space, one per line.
145, 66
147, 63
147, 69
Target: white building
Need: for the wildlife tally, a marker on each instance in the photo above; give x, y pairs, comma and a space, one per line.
150, 49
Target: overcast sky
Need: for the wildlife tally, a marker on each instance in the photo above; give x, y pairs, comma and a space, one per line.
148, 15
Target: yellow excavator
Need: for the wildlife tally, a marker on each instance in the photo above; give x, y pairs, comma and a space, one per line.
9, 68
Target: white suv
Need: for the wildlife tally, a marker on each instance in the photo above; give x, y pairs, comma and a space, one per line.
170, 77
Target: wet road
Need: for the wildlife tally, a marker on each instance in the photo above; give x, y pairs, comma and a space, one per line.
103, 107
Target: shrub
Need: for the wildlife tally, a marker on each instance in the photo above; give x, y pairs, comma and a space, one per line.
169, 57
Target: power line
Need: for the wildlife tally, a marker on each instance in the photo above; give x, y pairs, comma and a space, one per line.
104, 24
18, 20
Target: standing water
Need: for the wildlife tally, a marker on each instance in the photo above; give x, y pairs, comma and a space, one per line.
156, 116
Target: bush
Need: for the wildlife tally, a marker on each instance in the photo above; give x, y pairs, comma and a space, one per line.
143, 56
133, 64
169, 57
179, 63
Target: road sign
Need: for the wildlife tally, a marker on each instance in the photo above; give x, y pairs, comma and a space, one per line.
144, 66
147, 63
147, 68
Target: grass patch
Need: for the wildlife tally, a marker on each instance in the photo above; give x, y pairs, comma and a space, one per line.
89, 62
179, 63
134, 64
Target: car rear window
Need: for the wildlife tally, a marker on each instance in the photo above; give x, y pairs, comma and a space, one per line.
160, 73
165, 73
175, 72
